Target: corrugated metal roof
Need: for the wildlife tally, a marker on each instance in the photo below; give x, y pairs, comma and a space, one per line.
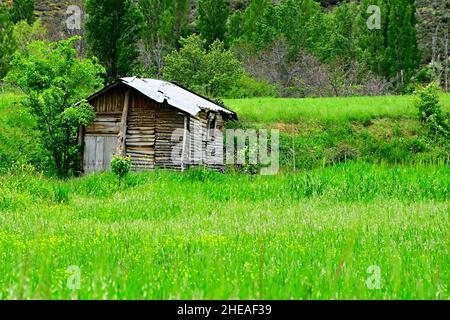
175, 96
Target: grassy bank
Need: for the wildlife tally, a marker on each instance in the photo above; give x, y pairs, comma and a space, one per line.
327, 131
324, 110
211, 236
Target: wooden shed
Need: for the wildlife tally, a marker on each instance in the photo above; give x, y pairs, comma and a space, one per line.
157, 123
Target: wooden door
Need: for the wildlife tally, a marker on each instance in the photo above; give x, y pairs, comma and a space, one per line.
98, 152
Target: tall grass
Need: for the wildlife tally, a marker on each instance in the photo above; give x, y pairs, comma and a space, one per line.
272, 110
204, 235
312, 234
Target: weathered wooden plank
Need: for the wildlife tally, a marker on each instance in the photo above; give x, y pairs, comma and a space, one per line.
123, 126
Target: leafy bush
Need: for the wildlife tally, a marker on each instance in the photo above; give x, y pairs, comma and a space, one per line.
430, 112
343, 152
248, 87
120, 166
210, 71
54, 80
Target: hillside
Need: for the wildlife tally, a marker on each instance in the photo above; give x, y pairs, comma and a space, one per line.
430, 14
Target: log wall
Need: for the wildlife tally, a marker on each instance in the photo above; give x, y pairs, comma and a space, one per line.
155, 132
169, 137
141, 134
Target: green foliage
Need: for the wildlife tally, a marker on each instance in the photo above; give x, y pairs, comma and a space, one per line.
112, 31
120, 166
402, 57
22, 10
61, 193
370, 47
25, 33
20, 142
54, 80
211, 71
212, 20
248, 87
430, 112
165, 22
7, 44
257, 24
297, 20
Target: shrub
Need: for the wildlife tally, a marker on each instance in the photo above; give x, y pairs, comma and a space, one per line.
343, 152
417, 145
430, 112
54, 80
248, 87
211, 71
120, 166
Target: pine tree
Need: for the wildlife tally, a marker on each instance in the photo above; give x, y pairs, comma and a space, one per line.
212, 19
113, 30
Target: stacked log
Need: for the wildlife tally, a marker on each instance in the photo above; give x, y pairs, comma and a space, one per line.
169, 137
141, 134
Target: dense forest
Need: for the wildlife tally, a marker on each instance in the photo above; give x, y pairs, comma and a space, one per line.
245, 48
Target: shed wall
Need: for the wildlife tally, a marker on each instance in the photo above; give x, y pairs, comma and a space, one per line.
158, 135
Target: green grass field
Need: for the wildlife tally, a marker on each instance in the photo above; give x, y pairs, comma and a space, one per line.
270, 110
202, 235
318, 233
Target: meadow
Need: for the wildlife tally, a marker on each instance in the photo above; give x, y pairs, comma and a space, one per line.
342, 215
204, 235
272, 110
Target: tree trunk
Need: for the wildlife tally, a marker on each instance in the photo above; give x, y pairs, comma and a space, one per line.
433, 54
446, 60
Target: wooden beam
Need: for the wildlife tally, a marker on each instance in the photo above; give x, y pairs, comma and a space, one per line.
183, 153
121, 141
81, 134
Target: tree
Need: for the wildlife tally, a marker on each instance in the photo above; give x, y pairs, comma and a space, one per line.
371, 48
296, 18
402, 56
209, 71
165, 21
254, 20
24, 33
7, 45
113, 30
22, 10
212, 19
55, 80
